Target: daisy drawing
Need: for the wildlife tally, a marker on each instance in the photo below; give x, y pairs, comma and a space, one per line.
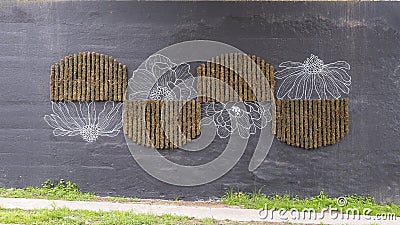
301, 79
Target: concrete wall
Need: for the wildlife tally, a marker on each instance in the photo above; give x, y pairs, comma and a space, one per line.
366, 35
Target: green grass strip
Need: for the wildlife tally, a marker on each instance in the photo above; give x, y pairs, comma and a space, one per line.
257, 200
66, 216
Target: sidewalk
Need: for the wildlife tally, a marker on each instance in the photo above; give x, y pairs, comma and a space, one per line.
199, 212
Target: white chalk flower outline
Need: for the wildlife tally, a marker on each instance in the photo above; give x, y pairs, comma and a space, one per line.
161, 79
243, 117
301, 79
68, 120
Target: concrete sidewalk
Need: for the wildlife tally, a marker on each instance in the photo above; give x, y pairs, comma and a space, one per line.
199, 212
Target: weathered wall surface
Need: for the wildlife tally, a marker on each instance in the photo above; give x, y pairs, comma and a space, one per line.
366, 35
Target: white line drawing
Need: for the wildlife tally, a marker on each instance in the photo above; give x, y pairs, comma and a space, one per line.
301, 79
69, 120
154, 162
245, 117
161, 79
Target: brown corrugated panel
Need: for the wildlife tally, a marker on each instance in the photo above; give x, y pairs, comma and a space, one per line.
93, 77
297, 122
66, 78
247, 88
87, 77
97, 77
52, 77
69, 81
333, 121
146, 117
155, 123
311, 124
278, 119
79, 81
315, 123
292, 123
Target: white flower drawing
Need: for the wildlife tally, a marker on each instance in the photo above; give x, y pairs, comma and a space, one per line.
243, 117
161, 79
68, 119
301, 79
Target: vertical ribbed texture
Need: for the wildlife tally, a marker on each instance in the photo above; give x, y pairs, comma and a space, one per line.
111, 78
84, 81
297, 122
292, 123
311, 124
56, 83
79, 81
161, 124
301, 123
97, 77
134, 121
69, 80
232, 87
324, 125
283, 123
146, 120
75, 77
333, 121
61, 82
245, 78
52, 83
88, 77
221, 86
93, 77
68, 74
305, 119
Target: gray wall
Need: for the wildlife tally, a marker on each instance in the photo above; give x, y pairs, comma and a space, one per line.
36, 35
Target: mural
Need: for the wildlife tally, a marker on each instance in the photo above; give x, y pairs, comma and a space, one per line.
160, 79
300, 80
69, 120
242, 117
76, 82
306, 122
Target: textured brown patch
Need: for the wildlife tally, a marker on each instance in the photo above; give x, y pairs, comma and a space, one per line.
311, 124
247, 87
88, 76
164, 124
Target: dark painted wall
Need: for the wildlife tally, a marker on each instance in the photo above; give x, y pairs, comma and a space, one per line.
35, 35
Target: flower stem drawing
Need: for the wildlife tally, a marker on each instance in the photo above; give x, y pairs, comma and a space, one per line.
300, 80
68, 119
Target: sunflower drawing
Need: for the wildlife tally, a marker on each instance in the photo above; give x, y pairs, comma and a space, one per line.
300, 80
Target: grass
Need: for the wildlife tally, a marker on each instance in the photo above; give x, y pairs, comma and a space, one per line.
62, 190
58, 190
49, 190
84, 217
257, 200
